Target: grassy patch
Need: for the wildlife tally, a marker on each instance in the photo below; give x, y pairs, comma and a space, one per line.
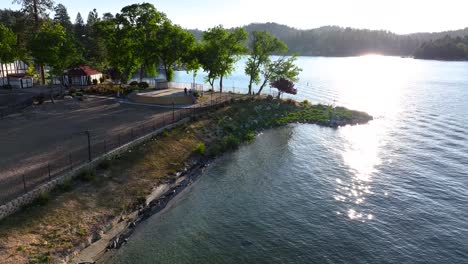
200, 149
87, 175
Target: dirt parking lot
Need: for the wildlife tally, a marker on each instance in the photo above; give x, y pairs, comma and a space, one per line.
41, 133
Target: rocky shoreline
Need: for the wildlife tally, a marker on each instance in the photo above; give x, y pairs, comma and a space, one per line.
155, 203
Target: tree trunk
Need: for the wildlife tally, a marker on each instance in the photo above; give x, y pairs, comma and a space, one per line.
211, 81
261, 87
142, 71
36, 14
43, 74
221, 84
250, 85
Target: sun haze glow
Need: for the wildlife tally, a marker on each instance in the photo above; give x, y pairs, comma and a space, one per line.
399, 16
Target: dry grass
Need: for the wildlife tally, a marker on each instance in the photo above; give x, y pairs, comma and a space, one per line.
46, 233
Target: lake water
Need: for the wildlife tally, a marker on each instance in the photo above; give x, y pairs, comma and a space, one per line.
392, 191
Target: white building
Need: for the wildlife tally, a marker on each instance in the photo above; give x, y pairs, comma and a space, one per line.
82, 76
15, 74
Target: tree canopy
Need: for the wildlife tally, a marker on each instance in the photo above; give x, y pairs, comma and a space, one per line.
220, 49
7, 45
62, 17
446, 48
59, 53
173, 45
262, 46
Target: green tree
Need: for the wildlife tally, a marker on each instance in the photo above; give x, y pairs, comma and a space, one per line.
121, 49
62, 17
36, 9
19, 24
282, 68
220, 49
262, 46
93, 18
174, 46
94, 49
141, 22
7, 45
60, 51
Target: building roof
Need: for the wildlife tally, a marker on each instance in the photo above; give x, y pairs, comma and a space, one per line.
83, 71
19, 75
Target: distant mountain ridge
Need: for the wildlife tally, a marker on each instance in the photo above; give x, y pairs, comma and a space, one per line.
340, 41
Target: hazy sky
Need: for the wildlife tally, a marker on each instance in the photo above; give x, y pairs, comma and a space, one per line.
400, 16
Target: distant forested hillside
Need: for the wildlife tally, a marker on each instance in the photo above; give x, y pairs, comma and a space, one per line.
338, 41
447, 48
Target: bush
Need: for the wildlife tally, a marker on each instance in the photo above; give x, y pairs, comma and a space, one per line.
44, 198
101, 80
196, 94
200, 149
249, 136
7, 87
305, 103
87, 175
95, 81
143, 85
231, 142
105, 164
66, 186
269, 97
133, 83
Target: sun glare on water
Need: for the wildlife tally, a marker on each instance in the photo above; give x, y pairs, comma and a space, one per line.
374, 84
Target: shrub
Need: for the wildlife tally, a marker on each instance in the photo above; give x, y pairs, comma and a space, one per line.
87, 175
143, 85
305, 103
249, 136
7, 86
196, 94
269, 97
79, 93
290, 101
216, 149
231, 142
101, 80
133, 83
200, 149
66, 186
44, 198
105, 164
95, 81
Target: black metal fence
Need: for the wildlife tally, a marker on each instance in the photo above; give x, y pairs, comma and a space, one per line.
21, 182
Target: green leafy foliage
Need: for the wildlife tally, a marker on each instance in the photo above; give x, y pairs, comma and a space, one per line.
262, 46
200, 149
173, 46
59, 53
219, 50
7, 44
